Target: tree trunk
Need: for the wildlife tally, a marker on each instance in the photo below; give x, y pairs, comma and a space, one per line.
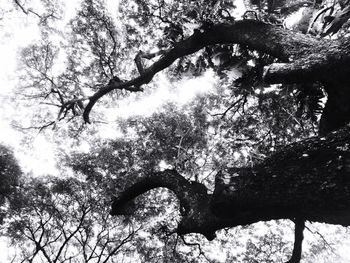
336, 112
298, 240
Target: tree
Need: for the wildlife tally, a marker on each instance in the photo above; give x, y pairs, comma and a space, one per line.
60, 220
306, 180
10, 174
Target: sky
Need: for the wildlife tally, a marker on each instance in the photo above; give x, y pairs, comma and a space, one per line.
21, 30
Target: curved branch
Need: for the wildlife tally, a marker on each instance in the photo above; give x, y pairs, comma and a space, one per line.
270, 39
193, 197
169, 179
309, 180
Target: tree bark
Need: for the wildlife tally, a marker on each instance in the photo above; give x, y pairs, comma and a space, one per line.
309, 179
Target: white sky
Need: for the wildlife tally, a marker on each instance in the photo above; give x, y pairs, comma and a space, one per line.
16, 32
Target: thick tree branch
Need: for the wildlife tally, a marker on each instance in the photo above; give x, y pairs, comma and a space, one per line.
309, 180
174, 182
320, 65
302, 58
278, 42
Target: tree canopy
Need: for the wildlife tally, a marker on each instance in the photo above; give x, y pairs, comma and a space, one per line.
255, 155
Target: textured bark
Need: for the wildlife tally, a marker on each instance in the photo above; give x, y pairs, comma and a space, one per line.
326, 62
309, 180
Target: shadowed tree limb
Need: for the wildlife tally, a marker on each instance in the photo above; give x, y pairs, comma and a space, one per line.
309, 180
193, 198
